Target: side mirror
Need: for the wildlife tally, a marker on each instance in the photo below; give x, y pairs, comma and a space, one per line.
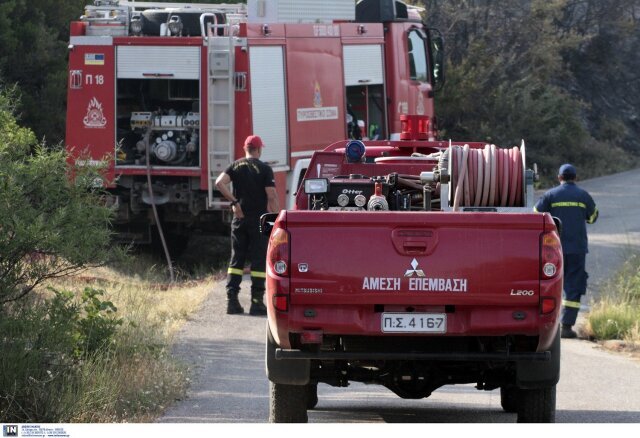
267, 221
436, 41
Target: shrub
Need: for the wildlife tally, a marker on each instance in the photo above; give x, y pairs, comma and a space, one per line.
51, 224
46, 348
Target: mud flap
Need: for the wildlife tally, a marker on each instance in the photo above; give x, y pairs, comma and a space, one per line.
285, 371
533, 375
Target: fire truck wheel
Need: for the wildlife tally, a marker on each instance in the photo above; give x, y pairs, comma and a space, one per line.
509, 398
537, 405
312, 395
288, 403
285, 371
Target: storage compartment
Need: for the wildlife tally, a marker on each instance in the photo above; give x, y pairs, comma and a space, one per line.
170, 110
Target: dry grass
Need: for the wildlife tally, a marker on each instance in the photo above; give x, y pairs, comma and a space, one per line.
139, 378
146, 302
131, 379
617, 314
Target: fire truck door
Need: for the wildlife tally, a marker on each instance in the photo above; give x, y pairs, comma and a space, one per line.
268, 103
365, 94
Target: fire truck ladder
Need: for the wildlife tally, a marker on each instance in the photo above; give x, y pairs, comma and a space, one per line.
220, 109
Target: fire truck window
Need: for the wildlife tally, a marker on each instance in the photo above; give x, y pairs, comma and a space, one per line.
417, 57
366, 103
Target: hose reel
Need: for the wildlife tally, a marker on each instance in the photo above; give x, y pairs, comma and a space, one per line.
486, 177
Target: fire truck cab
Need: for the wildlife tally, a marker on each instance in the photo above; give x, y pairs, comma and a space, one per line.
167, 92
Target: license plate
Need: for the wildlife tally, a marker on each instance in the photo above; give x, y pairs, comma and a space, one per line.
414, 323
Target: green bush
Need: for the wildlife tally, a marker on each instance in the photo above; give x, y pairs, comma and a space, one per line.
46, 348
91, 323
53, 221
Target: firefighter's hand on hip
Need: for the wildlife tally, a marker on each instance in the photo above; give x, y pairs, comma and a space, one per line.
237, 211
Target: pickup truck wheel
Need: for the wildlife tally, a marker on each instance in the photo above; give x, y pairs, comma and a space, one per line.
288, 403
537, 405
509, 398
312, 395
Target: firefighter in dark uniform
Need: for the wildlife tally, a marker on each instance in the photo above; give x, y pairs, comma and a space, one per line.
254, 194
575, 208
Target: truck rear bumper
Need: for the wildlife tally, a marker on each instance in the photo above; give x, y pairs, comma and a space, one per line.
457, 357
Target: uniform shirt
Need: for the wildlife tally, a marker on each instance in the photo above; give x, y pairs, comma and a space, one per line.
250, 177
575, 208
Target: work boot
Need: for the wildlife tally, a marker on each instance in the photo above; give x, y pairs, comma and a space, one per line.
567, 332
257, 308
234, 307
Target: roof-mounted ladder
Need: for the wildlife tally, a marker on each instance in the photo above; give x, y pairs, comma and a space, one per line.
220, 105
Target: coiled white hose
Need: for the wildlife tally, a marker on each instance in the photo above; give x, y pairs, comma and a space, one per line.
489, 177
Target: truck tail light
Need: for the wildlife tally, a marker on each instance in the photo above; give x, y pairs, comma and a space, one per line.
281, 302
547, 305
278, 253
550, 267
550, 255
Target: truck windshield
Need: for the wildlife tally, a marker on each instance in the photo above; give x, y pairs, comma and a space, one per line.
417, 56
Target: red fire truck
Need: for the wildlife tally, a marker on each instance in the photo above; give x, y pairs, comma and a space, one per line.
167, 92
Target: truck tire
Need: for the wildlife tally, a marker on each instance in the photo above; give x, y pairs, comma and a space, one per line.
284, 371
312, 395
540, 374
537, 405
288, 403
509, 398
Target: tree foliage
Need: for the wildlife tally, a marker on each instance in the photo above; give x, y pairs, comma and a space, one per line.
34, 36
51, 224
562, 74
521, 70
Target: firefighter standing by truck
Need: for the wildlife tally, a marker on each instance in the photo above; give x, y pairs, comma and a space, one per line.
254, 194
575, 208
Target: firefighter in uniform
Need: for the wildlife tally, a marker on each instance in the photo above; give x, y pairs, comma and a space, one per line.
254, 194
575, 208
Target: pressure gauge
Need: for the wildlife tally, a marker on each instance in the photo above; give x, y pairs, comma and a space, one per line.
343, 200
360, 200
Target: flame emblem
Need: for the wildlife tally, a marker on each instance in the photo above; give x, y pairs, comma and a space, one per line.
95, 117
317, 97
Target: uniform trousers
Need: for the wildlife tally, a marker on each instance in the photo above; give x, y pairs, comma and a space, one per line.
575, 285
247, 244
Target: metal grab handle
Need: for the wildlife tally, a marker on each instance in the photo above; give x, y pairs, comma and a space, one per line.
215, 23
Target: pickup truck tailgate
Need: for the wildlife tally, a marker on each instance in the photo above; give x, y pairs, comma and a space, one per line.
387, 258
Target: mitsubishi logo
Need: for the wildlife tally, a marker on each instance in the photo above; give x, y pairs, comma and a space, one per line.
417, 272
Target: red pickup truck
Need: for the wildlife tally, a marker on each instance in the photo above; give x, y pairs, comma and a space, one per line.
402, 266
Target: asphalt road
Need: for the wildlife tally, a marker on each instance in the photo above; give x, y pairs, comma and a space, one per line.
226, 354
617, 232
